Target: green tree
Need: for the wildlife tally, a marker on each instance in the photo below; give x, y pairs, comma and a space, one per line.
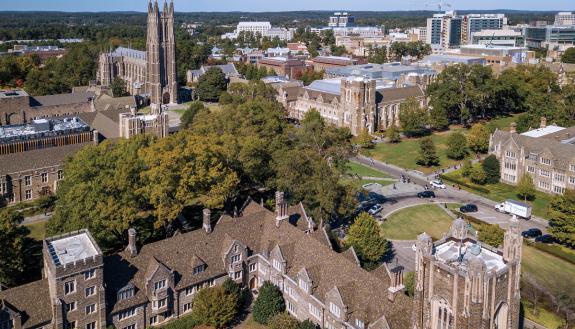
456, 146
46, 203
427, 154
186, 170
409, 283
568, 56
478, 175
119, 87
492, 169
478, 138
562, 218
413, 118
211, 85
526, 188
466, 168
215, 307
491, 234
365, 140
377, 55
12, 247
268, 304
392, 134
188, 117
366, 238
307, 324
283, 321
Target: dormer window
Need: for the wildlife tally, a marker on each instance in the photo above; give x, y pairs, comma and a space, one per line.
359, 324
334, 309
126, 292
198, 269
236, 248
277, 264
160, 284
7, 324
236, 258
303, 285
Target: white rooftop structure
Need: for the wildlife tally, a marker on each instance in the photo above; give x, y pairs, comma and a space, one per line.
454, 253
42, 127
71, 249
540, 132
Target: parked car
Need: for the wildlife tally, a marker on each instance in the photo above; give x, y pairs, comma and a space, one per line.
531, 233
516, 208
426, 195
438, 184
468, 208
375, 209
546, 238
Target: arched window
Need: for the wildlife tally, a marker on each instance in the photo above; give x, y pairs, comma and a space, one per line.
501, 316
441, 315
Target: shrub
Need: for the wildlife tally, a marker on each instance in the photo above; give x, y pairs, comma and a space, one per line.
457, 146
283, 321
215, 307
269, 303
462, 183
409, 282
478, 175
492, 169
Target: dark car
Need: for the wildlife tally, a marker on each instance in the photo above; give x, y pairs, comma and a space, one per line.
546, 238
426, 194
531, 233
468, 208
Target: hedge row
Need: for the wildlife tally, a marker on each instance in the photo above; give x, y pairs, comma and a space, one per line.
462, 183
554, 250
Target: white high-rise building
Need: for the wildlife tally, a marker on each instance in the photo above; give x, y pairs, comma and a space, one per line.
264, 29
564, 18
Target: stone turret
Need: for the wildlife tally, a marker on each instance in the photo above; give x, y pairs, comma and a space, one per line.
281, 208
459, 229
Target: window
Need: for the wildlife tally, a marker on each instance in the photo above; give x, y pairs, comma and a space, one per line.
314, 311
277, 264
359, 324
236, 258
236, 248
27, 180
253, 267
7, 324
510, 154
510, 165
330, 326
559, 177
237, 275
558, 189
545, 173
126, 293
3, 189
28, 195
89, 274
69, 287
545, 185
91, 291
571, 179
211, 283
70, 307
546, 161
291, 292
531, 169
91, 309
443, 318
60, 174
187, 307
127, 314
291, 307
160, 284
334, 309
198, 269
509, 178
157, 304
572, 167
71, 325
154, 320
132, 326
44, 177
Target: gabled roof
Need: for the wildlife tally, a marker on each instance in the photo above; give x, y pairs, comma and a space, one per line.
31, 301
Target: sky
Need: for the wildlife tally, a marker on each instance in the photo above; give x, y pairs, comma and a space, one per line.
282, 5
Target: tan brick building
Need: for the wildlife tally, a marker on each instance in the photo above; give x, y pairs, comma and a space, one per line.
547, 154
283, 66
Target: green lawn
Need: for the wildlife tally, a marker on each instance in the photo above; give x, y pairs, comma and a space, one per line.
501, 192
404, 154
37, 230
408, 223
544, 317
364, 171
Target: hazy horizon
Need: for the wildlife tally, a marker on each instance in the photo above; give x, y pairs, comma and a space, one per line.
185, 6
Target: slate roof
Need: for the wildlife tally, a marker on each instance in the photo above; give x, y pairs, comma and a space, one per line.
257, 230
32, 301
105, 102
62, 99
18, 162
560, 151
392, 95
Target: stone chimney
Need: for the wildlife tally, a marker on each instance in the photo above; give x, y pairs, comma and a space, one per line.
513, 128
207, 220
281, 208
543, 122
396, 282
132, 248
96, 137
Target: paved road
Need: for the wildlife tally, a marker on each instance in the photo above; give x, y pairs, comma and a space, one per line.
403, 254
36, 218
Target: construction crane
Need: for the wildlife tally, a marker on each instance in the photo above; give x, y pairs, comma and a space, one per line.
441, 4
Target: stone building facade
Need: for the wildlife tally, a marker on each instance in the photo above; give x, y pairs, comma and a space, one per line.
356, 103
152, 72
283, 66
132, 124
547, 154
147, 285
460, 283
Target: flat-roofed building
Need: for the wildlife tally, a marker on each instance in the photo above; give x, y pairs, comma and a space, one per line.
323, 63
547, 154
505, 37
284, 66
395, 73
